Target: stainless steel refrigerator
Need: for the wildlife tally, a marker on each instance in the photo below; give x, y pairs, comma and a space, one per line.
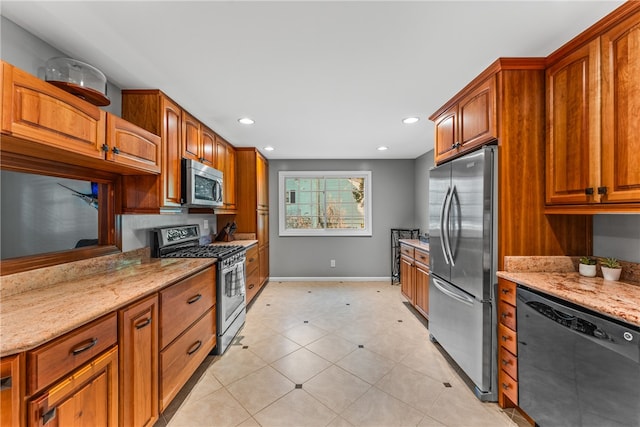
462, 238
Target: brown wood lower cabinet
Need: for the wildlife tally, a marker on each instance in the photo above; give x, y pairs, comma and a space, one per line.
181, 358
507, 341
10, 391
87, 397
187, 330
414, 277
138, 342
253, 273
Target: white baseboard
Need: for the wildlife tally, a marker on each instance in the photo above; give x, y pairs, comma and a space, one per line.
330, 279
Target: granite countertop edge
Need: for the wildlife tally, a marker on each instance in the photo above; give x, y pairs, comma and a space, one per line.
617, 299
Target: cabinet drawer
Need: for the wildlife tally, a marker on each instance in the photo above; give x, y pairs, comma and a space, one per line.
406, 250
184, 302
422, 257
507, 338
252, 258
509, 387
182, 357
507, 291
61, 356
507, 315
253, 284
508, 362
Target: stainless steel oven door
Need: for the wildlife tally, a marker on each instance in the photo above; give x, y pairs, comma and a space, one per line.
231, 303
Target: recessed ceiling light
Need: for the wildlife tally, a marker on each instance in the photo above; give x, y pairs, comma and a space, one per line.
269, 148
382, 148
246, 121
410, 120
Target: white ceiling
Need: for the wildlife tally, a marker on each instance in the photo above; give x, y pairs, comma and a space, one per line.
321, 79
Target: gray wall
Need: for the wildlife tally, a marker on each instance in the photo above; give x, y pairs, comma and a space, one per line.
356, 257
617, 236
422, 166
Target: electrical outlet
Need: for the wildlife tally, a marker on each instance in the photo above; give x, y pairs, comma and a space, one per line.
206, 224
333, 263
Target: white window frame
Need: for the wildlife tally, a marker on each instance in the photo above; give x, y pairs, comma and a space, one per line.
368, 217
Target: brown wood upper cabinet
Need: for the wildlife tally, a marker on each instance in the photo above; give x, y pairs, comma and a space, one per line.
466, 122
158, 114
593, 96
226, 162
198, 141
46, 122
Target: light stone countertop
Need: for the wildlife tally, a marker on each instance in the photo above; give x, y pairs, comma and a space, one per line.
32, 318
415, 243
40, 305
618, 299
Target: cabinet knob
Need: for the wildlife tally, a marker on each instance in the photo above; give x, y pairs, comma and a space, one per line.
105, 147
115, 150
588, 191
602, 190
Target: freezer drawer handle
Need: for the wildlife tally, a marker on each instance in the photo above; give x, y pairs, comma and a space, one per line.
453, 294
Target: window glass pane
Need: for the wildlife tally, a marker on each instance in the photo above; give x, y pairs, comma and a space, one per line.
325, 202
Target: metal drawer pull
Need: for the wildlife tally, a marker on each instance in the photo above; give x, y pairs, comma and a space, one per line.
504, 315
194, 299
144, 323
251, 286
194, 348
48, 416
5, 383
505, 362
251, 259
505, 386
84, 347
505, 338
505, 291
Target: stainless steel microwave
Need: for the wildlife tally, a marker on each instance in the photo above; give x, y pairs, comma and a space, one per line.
201, 184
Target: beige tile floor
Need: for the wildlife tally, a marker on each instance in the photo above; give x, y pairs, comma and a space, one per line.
332, 354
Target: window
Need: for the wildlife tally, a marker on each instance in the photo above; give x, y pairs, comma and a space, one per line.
336, 203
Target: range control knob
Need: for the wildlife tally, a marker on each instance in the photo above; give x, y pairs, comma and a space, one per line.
628, 336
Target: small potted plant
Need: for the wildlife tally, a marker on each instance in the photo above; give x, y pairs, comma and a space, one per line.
587, 266
611, 269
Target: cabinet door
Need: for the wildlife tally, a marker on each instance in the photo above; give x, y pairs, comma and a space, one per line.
131, 145
88, 397
573, 127
262, 177
38, 111
139, 363
407, 277
190, 137
208, 147
477, 122
10, 395
221, 154
621, 111
229, 194
171, 153
422, 289
446, 134
263, 256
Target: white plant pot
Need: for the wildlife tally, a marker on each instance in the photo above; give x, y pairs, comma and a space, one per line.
611, 273
587, 270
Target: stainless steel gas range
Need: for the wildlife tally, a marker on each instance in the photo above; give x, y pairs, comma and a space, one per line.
184, 242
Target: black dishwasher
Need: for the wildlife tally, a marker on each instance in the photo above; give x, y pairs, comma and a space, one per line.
576, 367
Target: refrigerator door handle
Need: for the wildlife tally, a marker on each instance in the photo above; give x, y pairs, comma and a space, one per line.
452, 292
447, 226
443, 229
